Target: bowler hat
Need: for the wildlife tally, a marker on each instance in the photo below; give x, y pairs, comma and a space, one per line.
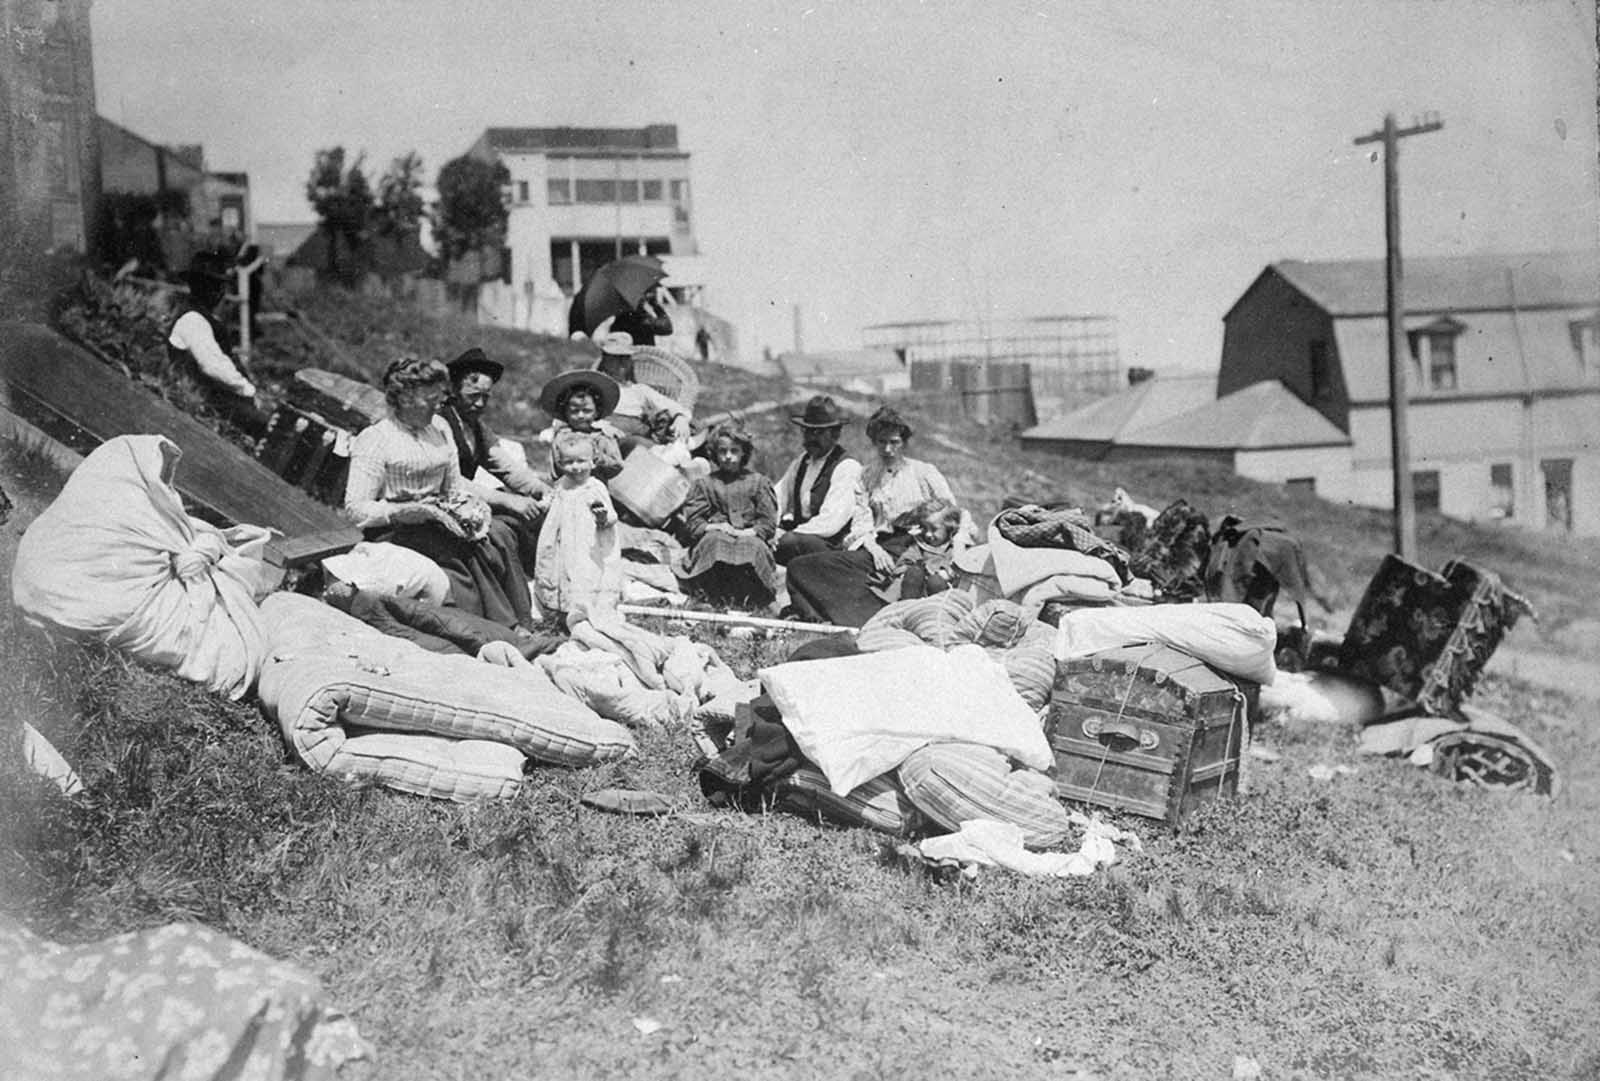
606, 390
820, 412
475, 360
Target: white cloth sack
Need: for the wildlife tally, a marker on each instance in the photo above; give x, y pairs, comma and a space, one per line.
116, 558
857, 717
380, 567
1233, 638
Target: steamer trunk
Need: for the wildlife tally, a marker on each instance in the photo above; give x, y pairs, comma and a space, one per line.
1147, 729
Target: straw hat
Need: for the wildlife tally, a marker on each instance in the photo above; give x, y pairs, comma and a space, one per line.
606, 390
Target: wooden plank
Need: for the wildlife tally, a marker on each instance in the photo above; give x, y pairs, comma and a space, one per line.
294, 552
77, 400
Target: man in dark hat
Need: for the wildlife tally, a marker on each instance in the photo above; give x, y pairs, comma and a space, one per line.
193, 347
820, 494
472, 378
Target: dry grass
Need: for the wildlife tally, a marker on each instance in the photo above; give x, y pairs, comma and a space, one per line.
1385, 925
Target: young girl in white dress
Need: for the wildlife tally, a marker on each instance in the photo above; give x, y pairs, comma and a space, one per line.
579, 567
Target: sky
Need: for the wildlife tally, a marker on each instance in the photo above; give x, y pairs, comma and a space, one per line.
880, 161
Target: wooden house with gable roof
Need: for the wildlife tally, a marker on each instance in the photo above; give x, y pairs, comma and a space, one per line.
1504, 377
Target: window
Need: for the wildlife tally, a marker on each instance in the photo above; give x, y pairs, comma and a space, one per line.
558, 191
1557, 493
1586, 344
1502, 496
627, 191
1301, 485
1321, 374
596, 191
652, 191
1441, 362
1425, 489
522, 191
1433, 353
680, 190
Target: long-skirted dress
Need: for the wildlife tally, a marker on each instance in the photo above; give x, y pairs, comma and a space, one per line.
392, 464
721, 566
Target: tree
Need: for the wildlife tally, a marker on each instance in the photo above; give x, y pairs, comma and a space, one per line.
400, 207
343, 201
471, 212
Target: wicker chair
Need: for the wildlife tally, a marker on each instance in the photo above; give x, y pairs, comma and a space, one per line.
668, 373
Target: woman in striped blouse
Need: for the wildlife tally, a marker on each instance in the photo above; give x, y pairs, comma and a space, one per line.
405, 487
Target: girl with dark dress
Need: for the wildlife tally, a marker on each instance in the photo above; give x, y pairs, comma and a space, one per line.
730, 519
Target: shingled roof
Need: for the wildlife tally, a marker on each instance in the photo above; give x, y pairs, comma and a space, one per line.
1355, 287
1138, 406
653, 137
1262, 416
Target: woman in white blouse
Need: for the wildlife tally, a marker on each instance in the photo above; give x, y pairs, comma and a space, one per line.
896, 485
838, 587
405, 487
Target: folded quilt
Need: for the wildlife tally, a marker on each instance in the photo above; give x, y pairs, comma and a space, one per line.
356, 703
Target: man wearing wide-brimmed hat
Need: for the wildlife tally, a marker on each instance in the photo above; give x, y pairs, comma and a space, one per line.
473, 375
638, 402
820, 493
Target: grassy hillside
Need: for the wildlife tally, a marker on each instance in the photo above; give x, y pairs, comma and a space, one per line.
1386, 924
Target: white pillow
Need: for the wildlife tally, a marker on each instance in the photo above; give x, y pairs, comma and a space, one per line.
857, 717
388, 568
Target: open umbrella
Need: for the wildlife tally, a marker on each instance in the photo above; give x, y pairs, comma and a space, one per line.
615, 288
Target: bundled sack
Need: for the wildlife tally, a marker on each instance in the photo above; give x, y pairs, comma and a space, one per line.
116, 558
1233, 638
364, 706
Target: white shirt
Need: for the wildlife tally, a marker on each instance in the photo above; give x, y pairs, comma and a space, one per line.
839, 506
193, 332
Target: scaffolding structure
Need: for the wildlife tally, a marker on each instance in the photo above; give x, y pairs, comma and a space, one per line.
1070, 358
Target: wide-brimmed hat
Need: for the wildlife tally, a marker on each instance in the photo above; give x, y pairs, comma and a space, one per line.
475, 360
820, 412
606, 390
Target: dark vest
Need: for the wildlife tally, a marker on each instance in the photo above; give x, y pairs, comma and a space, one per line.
471, 443
819, 491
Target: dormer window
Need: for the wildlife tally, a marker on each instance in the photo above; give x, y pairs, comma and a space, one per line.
1433, 353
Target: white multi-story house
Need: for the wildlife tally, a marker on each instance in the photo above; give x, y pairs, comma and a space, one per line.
580, 197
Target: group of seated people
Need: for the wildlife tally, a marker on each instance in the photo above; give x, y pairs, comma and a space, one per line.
852, 539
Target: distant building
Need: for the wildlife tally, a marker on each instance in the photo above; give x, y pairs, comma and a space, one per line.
281, 239
1090, 431
49, 166
580, 197
218, 203
1503, 372
865, 371
1067, 359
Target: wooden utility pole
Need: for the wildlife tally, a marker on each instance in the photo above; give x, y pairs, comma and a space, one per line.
1405, 510
1399, 443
